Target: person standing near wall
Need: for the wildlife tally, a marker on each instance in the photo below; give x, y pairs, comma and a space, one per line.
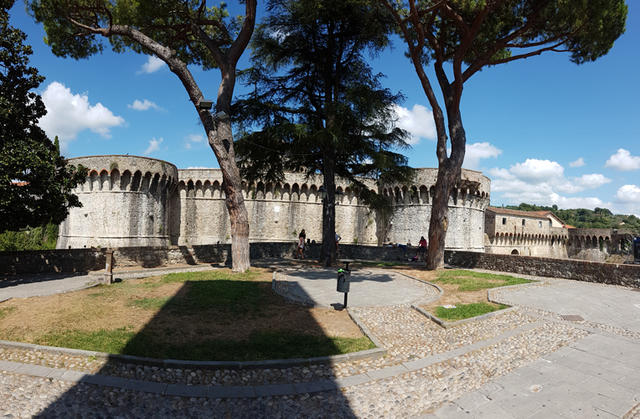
302, 238
422, 248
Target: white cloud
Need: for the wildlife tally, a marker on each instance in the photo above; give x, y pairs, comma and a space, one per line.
68, 114
629, 193
418, 121
477, 151
591, 181
152, 65
534, 170
192, 139
579, 184
577, 202
143, 105
623, 160
154, 145
577, 163
542, 182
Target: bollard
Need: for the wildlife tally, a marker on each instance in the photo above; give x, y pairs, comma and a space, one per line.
108, 268
344, 281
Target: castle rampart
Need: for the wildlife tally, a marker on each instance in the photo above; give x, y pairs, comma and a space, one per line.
137, 201
412, 210
125, 202
526, 233
596, 244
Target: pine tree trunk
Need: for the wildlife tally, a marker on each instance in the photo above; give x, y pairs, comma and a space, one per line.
232, 184
449, 171
328, 254
439, 219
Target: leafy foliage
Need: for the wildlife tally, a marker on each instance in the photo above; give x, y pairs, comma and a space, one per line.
317, 102
585, 218
35, 180
174, 24
36, 238
462, 37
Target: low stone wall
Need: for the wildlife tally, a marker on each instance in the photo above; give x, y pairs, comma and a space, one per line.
581, 270
51, 261
85, 260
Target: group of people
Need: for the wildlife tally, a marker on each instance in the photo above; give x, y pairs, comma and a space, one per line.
302, 243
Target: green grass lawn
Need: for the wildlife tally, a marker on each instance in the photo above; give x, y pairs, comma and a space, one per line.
280, 344
214, 315
465, 311
474, 281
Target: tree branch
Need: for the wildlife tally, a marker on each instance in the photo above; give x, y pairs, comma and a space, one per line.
241, 42
529, 54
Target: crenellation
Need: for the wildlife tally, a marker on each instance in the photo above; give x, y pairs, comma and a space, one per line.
152, 203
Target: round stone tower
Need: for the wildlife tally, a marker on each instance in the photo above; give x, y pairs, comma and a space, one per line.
412, 210
125, 202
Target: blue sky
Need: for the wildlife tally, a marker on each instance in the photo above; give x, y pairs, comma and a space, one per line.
544, 130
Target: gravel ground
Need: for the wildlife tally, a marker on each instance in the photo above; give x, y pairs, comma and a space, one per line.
405, 333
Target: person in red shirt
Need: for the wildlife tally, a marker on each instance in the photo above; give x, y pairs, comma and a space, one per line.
422, 248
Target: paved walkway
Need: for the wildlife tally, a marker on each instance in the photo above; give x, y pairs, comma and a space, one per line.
598, 376
525, 362
45, 284
611, 305
368, 287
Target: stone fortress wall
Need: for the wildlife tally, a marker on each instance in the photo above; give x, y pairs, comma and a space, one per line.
125, 202
597, 244
137, 201
131, 201
525, 233
412, 210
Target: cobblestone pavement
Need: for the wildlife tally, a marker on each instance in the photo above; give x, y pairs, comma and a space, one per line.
452, 372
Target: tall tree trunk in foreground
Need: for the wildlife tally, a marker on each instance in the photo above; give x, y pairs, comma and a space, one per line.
221, 142
218, 126
449, 171
328, 254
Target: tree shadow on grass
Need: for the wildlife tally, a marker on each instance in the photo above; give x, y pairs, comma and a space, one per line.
214, 320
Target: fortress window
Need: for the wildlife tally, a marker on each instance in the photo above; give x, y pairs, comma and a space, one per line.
523, 221
540, 224
504, 220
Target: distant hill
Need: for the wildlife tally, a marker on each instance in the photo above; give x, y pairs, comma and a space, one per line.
584, 218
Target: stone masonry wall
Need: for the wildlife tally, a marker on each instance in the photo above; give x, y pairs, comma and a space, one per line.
51, 261
125, 202
412, 210
84, 260
137, 201
580, 270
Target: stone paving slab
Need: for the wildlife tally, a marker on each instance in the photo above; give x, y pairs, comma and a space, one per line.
595, 376
606, 304
369, 287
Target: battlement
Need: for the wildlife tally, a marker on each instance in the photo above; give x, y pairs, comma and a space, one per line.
126, 173
153, 203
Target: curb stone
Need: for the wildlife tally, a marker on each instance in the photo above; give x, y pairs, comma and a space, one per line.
445, 324
432, 299
231, 365
252, 391
380, 347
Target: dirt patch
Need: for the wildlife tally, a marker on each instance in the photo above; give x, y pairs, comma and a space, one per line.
451, 294
145, 304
